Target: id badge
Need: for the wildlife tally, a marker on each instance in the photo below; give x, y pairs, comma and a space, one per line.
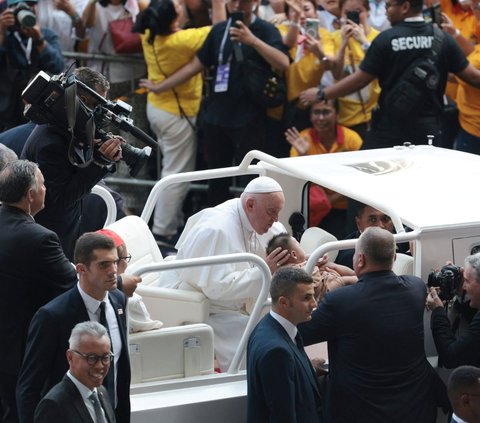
221, 80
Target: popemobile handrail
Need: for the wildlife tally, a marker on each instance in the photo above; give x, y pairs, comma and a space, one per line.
107, 197
350, 243
245, 168
222, 259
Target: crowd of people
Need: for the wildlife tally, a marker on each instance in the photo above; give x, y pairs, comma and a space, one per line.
343, 63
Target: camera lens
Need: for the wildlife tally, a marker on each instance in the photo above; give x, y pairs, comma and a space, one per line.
26, 18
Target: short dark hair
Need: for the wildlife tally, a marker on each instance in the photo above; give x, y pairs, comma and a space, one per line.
280, 240
92, 79
358, 207
157, 18
16, 179
89, 242
285, 280
462, 379
334, 101
378, 246
415, 5
365, 4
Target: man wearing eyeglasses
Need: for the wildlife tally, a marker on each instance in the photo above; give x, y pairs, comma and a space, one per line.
80, 395
95, 298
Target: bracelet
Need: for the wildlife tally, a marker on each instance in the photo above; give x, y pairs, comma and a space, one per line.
75, 18
366, 46
39, 42
456, 34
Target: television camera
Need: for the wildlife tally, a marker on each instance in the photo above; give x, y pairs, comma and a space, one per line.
55, 100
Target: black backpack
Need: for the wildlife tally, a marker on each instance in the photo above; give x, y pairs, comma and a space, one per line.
417, 84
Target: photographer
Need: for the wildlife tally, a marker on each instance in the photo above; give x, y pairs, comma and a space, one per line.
460, 350
25, 49
66, 183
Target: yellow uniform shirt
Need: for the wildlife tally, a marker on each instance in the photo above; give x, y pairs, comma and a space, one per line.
468, 99
172, 52
351, 111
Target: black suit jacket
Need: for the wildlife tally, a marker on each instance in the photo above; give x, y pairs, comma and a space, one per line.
282, 386
378, 368
64, 403
453, 351
45, 362
33, 270
66, 184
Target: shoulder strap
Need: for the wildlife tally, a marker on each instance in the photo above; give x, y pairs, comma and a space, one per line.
437, 42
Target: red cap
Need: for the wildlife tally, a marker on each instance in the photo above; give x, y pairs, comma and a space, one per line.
113, 236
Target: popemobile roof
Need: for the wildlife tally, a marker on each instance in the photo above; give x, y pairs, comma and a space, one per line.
425, 186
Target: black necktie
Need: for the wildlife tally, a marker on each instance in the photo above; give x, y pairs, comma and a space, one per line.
109, 381
99, 415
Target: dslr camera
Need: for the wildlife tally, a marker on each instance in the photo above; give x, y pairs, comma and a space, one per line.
448, 279
24, 15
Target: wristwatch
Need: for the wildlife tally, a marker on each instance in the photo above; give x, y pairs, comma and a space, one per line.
321, 93
365, 46
38, 42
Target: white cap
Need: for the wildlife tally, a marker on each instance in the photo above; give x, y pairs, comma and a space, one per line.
263, 185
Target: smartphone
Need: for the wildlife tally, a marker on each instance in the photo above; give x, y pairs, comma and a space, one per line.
311, 27
237, 16
354, 16
436, 14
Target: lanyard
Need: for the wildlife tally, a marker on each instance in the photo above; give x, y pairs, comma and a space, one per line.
224, 39
27, 50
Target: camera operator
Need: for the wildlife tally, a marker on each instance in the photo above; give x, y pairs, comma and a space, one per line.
67, 184
456, 350
25, 49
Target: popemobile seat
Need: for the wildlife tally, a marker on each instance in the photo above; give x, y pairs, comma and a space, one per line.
183, 346
314, 237
163, 301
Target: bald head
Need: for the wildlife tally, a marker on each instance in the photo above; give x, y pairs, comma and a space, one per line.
375, 250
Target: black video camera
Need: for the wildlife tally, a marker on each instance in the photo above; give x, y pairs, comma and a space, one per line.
24, 15
448, 279
55, 100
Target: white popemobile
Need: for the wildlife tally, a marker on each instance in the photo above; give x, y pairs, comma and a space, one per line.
426, 188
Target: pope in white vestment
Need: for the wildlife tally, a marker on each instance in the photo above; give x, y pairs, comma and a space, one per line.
240, 225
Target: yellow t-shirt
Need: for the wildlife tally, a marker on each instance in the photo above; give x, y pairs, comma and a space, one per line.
468, 26
347, 140
172, 52
351, 111
468, 99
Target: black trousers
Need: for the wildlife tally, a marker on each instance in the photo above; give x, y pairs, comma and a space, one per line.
388, 132
8, 408
226, 147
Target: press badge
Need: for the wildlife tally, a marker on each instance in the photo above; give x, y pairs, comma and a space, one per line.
221, 80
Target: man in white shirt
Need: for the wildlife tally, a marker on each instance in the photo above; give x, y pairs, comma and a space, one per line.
80, 395
239, 225
282, 385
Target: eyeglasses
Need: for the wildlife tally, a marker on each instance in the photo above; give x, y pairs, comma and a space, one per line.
323, 113
92, 359
126, 258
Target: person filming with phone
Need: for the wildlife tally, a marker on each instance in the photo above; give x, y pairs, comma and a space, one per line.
411, 62
233, 120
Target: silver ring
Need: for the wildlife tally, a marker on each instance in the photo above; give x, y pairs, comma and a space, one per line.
278, 264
